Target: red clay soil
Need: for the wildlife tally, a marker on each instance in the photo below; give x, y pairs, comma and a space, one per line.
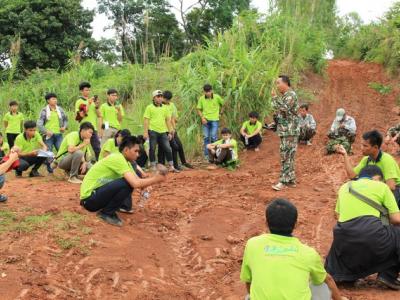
188, 241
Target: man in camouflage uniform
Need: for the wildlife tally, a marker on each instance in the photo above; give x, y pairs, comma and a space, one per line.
286, 108
393, 135
308, 126
342, 132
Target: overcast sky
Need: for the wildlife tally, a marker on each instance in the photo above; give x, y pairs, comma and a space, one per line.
369, 10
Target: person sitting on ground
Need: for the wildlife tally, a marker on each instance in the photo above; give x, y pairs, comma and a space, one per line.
362, 244
28, 144
4, 147
4, 167
371, 148
73, 156
112, 144
52, 124
342, 132
158, 130
13, 123
175, 142
111, 180
250, 133
393, 135
224, 151
308, 126
277, 265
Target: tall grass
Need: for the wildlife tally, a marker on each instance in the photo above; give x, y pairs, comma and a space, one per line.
241, 64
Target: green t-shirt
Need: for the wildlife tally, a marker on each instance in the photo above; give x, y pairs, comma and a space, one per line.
104, 171
28, 145
71, 139
349, 206
91, 113
386, 163
157, 116
172, 110
14, 122
53, 123
110, 115
109, 146
5, 148
250, 128
280, 267
234, 149
210, 107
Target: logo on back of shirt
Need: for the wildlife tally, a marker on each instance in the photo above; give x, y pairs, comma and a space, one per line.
281, 250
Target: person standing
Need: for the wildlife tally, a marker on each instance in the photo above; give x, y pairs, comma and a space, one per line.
52, 124
286, 108
13, 123
209, 108
112, 113
158, 129
88, 110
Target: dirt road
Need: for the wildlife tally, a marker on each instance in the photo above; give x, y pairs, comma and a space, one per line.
187, 243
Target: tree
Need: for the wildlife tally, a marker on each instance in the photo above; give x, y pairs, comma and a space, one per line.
48, 31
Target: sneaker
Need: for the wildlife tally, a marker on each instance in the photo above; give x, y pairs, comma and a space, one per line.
126, 211
189, 166
35, 173
393, 284
309, 143
74, 179
178, 168
3, 198
113, 219
279, 186
173, 170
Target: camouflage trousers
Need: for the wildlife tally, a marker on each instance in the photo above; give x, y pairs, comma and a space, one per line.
288, 148
334, 142
306, 133
393, 131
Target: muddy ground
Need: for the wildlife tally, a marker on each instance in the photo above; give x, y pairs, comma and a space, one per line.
188, 241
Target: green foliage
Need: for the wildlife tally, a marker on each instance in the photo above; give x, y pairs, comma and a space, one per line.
68, 243
380, 88
47, 29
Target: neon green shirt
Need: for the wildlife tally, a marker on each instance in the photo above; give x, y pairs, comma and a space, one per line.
280, 268
386, 163
91, 113
234, 144
109, 146
349, 206
71, 139
5, 148
53, 123
210, 108
110, 115
172, 111
104, 171
157, 116
250, 128
28, 145
14, 122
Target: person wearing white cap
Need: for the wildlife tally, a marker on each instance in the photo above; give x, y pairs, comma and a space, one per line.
158, 129
342, 132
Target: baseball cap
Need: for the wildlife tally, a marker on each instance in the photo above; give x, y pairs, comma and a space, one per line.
157, 93
340, 114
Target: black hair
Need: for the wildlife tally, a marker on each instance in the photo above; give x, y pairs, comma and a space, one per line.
374, 138
281, 217
123, 133
29, 124
167, 95
86, 126
285, 79
13, 102
371, 171
128, 142
305, 106
207, 87
83, 85
112, 91
254, 114
140, 139
48, 96
226, 131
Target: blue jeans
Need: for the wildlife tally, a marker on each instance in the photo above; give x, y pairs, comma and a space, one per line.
210, 133
54, 141
2, 180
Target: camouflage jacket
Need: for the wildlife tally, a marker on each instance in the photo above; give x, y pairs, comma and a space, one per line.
308, 121
349, 124
286, 108
394, 130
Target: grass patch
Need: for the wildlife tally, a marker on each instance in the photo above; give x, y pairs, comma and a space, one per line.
380, 88
68, 243
7, 218
70, 220
31, 223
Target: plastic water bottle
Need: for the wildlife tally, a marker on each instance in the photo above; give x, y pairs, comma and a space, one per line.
246, 140
144, 199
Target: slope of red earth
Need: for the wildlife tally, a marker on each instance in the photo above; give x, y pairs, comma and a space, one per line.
188, 241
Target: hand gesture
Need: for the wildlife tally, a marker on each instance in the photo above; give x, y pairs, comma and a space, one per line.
13, 156
49, 134
340, 149
62, 129
203, 121
83, 168
146, 135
